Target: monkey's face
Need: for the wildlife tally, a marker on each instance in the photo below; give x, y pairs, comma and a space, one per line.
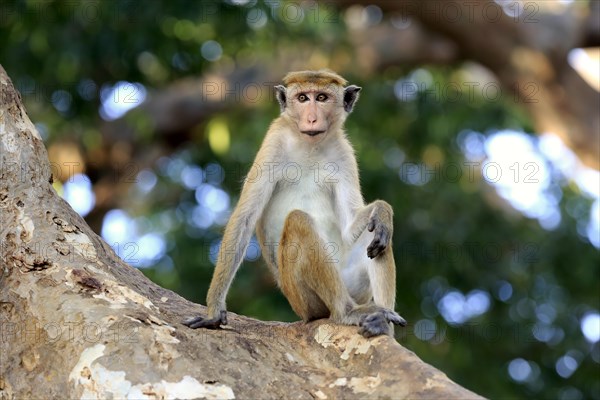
315, 111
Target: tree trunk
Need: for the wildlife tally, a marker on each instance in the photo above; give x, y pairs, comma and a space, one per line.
76, 321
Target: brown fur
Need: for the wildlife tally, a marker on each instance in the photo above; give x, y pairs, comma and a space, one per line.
320, 78
313, 288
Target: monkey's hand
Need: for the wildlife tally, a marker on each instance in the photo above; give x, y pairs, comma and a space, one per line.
209, 323
381, 224
378, 323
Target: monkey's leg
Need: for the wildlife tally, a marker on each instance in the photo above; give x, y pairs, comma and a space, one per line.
314, 286
381, 268
372, 280
373, 229
382, 276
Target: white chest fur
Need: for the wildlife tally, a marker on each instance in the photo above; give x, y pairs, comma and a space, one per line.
306, 182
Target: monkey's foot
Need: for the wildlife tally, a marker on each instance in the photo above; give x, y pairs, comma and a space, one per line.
377, 323
209, 323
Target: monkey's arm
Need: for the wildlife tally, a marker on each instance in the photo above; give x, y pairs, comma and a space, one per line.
376, 217
256, 192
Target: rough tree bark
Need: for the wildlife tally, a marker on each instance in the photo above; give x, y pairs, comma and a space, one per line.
76, 321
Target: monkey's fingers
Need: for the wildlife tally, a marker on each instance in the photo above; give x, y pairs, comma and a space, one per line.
375, 249
213, 323
200, 322
379, 242
371, 225
209, 323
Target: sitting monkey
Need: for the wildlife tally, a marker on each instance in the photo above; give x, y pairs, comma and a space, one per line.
330, 253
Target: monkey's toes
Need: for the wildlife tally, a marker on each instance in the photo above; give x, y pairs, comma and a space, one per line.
395, 318
374, 325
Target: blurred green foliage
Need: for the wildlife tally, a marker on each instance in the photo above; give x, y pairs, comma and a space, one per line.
452, 235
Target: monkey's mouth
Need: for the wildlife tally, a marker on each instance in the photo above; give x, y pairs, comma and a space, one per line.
313, 133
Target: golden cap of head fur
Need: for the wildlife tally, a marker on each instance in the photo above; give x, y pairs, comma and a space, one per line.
322, 77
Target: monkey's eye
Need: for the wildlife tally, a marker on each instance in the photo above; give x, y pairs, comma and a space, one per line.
321, 97
302, 98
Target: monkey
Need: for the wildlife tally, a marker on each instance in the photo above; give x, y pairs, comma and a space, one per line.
330, 253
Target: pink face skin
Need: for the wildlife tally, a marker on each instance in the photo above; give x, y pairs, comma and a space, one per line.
313, 111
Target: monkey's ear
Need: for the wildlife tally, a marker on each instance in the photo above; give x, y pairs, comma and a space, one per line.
350, 97
281, 97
